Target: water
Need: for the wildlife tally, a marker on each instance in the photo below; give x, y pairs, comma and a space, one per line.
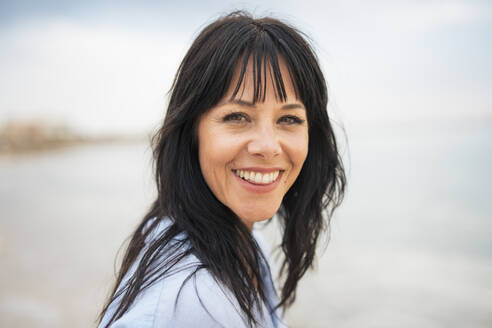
412, 244
410, 247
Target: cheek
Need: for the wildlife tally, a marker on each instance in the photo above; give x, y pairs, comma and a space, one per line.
298, 149
215, 152
214, 155
205, 142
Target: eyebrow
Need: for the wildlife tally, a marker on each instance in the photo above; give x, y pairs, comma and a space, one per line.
250, 104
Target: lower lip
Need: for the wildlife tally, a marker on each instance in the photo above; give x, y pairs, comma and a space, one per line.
259, 188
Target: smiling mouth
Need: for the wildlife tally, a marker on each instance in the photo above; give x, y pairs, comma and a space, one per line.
257, 177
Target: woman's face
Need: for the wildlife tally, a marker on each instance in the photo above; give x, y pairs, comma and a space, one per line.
251, 154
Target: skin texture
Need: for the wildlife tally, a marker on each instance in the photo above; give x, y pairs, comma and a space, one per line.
265, 136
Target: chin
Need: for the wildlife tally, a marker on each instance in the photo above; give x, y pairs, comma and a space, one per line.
250, 217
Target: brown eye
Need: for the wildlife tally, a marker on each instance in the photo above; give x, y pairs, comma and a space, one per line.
290, 120
236, 117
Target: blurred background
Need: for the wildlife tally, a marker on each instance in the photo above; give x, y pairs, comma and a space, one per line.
84, 84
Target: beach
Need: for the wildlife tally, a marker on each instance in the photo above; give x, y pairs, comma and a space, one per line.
410, 246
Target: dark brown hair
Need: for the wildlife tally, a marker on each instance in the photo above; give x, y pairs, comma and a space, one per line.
214, 233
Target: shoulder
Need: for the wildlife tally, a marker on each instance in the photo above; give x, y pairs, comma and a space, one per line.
197, 300
188, 297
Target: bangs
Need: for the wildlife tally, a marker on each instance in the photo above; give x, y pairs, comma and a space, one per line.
263, 56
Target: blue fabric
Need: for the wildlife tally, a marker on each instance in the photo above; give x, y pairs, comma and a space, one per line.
202, 302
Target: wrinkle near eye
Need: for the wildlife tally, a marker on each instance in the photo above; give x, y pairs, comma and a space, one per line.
291, 120
236, 117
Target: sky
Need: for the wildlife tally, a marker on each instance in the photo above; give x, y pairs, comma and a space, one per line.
106, 66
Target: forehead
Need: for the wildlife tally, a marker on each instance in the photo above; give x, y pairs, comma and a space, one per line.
255, 79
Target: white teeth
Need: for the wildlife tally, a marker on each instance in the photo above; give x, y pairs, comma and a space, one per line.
275, 175
257, 177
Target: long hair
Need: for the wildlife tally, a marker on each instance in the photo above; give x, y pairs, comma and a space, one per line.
216, 236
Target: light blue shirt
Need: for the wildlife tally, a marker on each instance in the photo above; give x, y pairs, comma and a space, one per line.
203, 302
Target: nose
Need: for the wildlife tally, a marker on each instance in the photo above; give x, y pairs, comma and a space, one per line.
265, 142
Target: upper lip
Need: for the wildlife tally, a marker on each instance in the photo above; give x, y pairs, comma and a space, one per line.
260, 169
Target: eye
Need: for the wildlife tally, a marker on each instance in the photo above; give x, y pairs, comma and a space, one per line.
236, 118
290, 120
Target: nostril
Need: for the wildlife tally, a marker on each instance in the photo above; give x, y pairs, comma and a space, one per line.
265, 143
264, 148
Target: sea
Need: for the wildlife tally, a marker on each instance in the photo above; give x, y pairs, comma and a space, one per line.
411, 245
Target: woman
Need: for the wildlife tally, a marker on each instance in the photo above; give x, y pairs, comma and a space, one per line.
246, 136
